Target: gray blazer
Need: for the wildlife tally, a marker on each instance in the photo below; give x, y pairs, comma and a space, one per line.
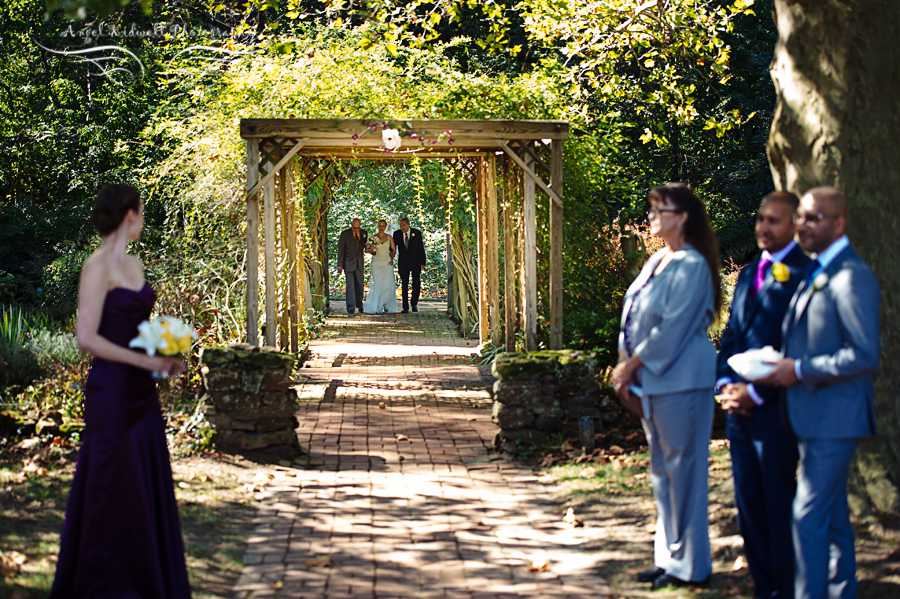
350, 254
833, 330
669, 324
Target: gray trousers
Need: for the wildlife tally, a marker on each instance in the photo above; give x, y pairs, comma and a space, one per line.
354, 293
678, 433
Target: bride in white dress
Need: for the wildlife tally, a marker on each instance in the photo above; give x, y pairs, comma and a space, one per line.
382, 296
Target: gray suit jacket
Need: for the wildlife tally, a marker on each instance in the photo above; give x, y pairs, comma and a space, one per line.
834, 333
669, 323
350, 254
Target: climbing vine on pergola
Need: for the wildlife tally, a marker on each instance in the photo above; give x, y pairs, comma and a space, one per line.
505, 161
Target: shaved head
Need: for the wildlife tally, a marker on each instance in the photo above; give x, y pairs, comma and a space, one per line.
831, 197
783, 197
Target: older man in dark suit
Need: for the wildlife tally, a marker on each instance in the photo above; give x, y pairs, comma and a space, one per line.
411, 260
763, 448
351, 246
831, 348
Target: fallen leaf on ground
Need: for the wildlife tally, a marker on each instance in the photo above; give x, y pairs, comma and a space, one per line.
8, 564
319, 562
291, 474
548, 461
25, 516
616, 449
382, 405
539, 565
276, 585
27, 443
261, 480
640, 476
570, 518
183, 485
616, 464
418, 405
739, 564
204, 478
402, 437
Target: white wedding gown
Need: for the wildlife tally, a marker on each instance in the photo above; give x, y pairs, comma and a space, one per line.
382, 296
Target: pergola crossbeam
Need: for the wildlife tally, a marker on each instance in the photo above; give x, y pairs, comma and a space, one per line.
530, 171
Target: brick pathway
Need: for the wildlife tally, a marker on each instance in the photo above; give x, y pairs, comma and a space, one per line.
406, 501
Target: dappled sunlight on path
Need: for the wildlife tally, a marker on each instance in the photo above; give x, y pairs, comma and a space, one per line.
401, 496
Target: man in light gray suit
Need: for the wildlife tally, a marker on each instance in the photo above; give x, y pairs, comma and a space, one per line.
831, 348
351, 246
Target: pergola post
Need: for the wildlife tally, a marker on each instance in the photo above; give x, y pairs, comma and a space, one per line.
556, 245
493, 246
290, 219
529, 217
269, 235
252, 243
481, 221
510, 258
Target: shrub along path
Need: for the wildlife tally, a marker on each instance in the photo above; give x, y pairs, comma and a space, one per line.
401, 496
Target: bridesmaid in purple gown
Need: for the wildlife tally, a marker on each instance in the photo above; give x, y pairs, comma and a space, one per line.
122, 536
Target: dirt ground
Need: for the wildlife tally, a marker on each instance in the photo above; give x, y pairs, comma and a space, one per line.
216, 496
610, 492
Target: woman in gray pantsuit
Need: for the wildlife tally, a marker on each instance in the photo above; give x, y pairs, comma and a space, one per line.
664, 349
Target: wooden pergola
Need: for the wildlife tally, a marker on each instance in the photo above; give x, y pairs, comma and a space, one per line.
529, 155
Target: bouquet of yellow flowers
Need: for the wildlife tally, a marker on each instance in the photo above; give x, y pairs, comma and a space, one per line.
167, 335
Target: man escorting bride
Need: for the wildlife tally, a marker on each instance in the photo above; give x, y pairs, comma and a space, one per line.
382, 296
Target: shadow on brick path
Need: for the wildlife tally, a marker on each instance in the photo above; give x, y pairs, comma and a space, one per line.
406, 500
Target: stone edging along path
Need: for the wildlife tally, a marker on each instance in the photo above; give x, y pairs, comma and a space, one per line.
401, 495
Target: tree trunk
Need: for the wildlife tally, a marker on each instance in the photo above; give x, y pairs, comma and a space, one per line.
837, 77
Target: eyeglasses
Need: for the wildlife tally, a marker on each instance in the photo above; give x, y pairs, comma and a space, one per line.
654, 213
811, 219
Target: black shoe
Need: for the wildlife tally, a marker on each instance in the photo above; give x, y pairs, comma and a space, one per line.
404, 311
415, 309
650, 575
667, 580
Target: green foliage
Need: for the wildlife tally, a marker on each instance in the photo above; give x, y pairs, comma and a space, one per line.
18, 367
17, 322
61, 279
78, 9
52, 346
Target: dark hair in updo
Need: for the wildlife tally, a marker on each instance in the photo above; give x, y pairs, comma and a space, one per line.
697, 230
112, 206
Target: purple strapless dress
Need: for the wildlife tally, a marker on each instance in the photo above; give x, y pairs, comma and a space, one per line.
122, 536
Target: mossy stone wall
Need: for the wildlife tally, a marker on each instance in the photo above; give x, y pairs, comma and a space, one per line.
541, 393
253, 402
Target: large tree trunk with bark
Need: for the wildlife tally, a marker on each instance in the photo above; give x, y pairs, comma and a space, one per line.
837, 122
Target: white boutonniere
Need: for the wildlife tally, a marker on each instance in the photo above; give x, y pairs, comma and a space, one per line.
412, 235
820, 282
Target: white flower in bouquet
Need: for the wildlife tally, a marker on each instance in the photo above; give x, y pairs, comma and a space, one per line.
167, 335
391, 139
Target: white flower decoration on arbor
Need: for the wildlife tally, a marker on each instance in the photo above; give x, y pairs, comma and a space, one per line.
391, 139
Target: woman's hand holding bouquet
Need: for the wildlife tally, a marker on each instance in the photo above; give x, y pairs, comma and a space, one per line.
168, 336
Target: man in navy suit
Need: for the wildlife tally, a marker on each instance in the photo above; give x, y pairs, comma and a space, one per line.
831, 350
411, 261
763, 449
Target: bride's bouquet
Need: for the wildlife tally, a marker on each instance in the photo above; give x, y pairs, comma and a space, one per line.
167, 335
372, 245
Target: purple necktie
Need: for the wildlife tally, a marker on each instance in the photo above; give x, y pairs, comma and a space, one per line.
761, 274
